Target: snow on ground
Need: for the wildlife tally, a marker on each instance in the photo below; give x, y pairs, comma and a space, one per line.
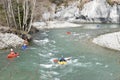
111, 40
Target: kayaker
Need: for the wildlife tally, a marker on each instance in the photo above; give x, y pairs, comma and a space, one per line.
26, 41
62, 59
12, 54
12, 51
24, 46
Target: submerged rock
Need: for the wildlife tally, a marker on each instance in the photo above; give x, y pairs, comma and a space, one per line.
8, 40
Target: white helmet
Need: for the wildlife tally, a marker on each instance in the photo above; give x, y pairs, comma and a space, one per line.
11, 49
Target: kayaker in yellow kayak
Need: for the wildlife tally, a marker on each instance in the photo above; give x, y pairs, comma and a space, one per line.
62, 59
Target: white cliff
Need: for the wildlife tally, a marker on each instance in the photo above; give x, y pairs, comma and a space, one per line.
92, 11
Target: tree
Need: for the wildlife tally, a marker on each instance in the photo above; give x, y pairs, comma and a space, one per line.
19, 13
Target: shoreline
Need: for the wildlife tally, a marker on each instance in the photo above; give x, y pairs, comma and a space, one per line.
54, 24
103, 40
12, 38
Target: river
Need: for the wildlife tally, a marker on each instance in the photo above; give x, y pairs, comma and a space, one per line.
89, 61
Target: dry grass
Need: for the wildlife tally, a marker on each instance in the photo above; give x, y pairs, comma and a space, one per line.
82, 2
112, 2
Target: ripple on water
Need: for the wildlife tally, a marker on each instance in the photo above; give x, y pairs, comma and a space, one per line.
42, 55
41, 42
98, 63
49, 75
89, 64
92, 27
44, 34
46, 65
46, 55
77, 36
52, 72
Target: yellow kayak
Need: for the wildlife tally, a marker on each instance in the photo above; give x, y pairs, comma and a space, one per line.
62, 62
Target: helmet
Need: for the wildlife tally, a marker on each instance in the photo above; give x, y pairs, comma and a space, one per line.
11, 49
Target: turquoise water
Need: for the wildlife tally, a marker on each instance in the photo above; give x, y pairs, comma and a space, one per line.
89, 61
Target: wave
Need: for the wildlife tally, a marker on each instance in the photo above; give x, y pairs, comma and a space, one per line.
42, 42
46, 65
89, 64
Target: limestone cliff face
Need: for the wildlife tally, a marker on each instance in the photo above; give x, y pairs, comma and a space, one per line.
90, 11
101, 11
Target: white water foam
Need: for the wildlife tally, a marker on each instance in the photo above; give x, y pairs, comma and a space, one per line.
92, 27
50, 54
52, 72
97, 63
75, 60
56, 79
46, 65
44, 33
46, 55
42, 55
106, 66
42, 42
89, 64
78, 36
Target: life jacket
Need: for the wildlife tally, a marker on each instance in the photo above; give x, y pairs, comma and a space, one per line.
12, 52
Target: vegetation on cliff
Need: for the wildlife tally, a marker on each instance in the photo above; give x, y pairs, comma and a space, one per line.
17, 11
112, 2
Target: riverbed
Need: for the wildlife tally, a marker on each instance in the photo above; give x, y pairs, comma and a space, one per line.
89, 61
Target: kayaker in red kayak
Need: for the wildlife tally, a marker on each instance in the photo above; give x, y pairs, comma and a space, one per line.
12, 54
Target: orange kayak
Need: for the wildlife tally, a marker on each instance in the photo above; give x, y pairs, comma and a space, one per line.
12, 55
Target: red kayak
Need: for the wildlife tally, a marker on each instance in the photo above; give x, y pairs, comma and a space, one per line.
12, 55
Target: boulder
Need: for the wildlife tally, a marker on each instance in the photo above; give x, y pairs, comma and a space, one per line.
8, 40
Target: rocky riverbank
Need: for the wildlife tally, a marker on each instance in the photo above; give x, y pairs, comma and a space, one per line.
8, 40
54, 24
111, 40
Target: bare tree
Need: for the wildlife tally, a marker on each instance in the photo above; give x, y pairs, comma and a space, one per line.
19, 18
19, 13
32, 11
